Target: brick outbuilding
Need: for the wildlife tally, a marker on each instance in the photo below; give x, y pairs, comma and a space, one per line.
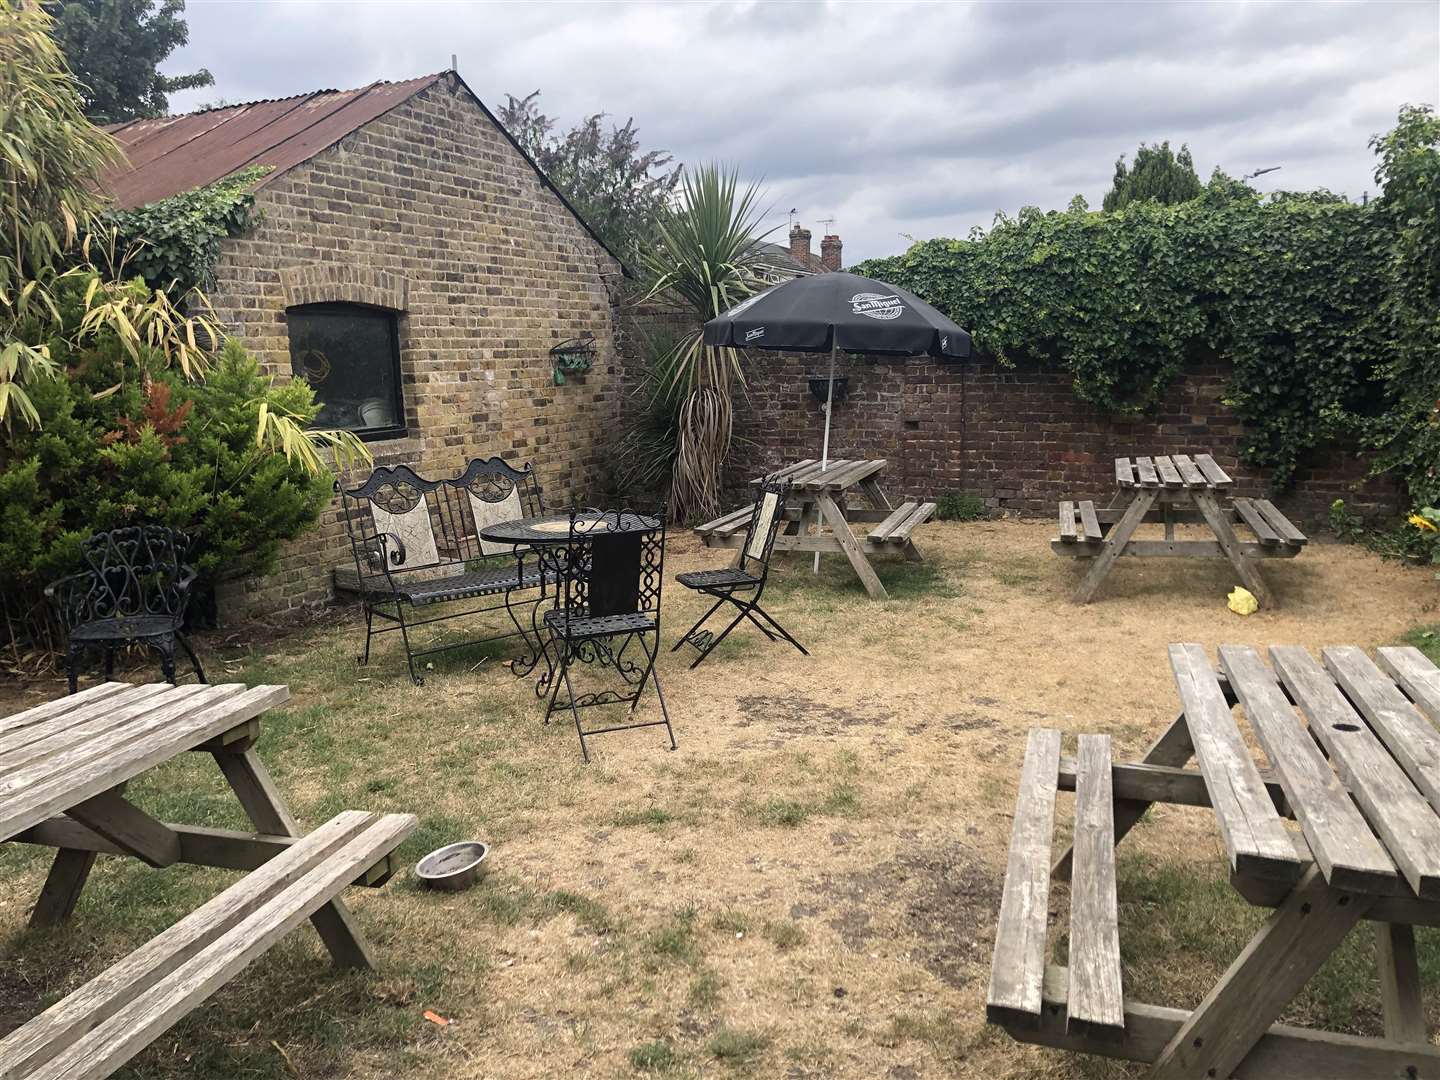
412, 262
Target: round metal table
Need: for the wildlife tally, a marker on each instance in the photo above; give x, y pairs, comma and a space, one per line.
544, 534
549, 529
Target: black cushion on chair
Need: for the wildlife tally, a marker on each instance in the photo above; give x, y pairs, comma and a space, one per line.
707, 579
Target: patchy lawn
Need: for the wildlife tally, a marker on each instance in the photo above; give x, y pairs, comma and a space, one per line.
807, 888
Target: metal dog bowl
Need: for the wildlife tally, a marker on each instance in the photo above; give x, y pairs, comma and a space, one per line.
454, 867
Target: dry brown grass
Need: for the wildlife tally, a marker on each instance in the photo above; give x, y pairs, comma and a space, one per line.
806, 888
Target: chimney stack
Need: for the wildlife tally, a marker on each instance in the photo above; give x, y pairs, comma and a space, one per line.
830, 252
800, 245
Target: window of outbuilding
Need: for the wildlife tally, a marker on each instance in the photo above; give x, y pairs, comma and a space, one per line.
350, 356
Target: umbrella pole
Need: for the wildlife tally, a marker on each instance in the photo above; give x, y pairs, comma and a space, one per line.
825, 445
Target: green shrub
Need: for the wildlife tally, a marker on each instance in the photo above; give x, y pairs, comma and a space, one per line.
177, 239
957, 506
1415, 539
114, 450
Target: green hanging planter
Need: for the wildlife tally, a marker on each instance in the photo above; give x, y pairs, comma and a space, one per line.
574, 356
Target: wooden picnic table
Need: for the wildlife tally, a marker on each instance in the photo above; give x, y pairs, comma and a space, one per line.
1171, 489
1341, 826
64, 766
820, 518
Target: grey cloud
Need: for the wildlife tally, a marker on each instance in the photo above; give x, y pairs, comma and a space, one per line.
896, 118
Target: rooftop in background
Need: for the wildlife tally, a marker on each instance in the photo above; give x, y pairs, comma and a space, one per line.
779, 263
170, 154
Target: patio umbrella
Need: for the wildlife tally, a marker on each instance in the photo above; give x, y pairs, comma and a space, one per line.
834, 312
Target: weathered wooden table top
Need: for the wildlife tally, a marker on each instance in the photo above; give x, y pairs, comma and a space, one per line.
1171, 471
57, 755
1365, 798
810, 476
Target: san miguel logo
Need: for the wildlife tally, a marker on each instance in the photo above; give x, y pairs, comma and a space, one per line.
876, 306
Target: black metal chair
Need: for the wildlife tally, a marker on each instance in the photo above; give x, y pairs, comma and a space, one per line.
416, 543
744, 583
133, 591
611, 570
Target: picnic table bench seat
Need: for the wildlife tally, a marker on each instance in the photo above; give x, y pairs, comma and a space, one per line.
729, 524
96, 1029
902, 522
1269, 525
1079, 524
1088, 998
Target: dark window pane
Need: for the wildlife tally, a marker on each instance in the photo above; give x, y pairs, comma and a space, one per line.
349, 355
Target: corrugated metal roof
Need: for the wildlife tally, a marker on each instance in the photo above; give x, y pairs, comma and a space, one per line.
171, 154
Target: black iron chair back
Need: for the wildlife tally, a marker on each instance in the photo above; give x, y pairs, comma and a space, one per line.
606, 571
129, 573
134, 590
612, 572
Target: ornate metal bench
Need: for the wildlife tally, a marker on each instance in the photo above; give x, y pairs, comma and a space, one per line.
416, 544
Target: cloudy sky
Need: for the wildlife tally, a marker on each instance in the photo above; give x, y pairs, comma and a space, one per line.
898, 120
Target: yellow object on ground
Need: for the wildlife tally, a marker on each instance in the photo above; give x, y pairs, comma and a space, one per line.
1243, 602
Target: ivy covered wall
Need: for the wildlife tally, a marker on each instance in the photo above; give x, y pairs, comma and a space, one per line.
1324, 313
1286, 293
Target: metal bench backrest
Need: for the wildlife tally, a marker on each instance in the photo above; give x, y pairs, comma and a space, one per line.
496, 491
414, 524
765, 522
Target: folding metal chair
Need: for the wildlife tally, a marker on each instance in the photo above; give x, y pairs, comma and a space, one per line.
744, 583
611, 572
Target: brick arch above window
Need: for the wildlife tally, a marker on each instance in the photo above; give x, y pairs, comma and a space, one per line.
330, 283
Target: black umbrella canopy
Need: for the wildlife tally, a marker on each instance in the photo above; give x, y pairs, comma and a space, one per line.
844, 311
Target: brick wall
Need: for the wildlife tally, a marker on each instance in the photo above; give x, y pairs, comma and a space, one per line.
429, 210
1018, 438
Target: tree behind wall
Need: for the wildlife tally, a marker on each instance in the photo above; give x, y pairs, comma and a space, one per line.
619, 189
115, 48
1158, 175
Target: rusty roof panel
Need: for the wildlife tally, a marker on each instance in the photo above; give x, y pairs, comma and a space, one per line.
171, 154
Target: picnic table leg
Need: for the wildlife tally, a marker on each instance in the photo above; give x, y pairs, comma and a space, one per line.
878, 499
851, 547
1277, 963
62, 887
268, 813
1172, 748
1114, 543
1400, 983
1230, 544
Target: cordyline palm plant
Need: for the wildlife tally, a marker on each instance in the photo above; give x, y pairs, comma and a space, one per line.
51, 161
702, 263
